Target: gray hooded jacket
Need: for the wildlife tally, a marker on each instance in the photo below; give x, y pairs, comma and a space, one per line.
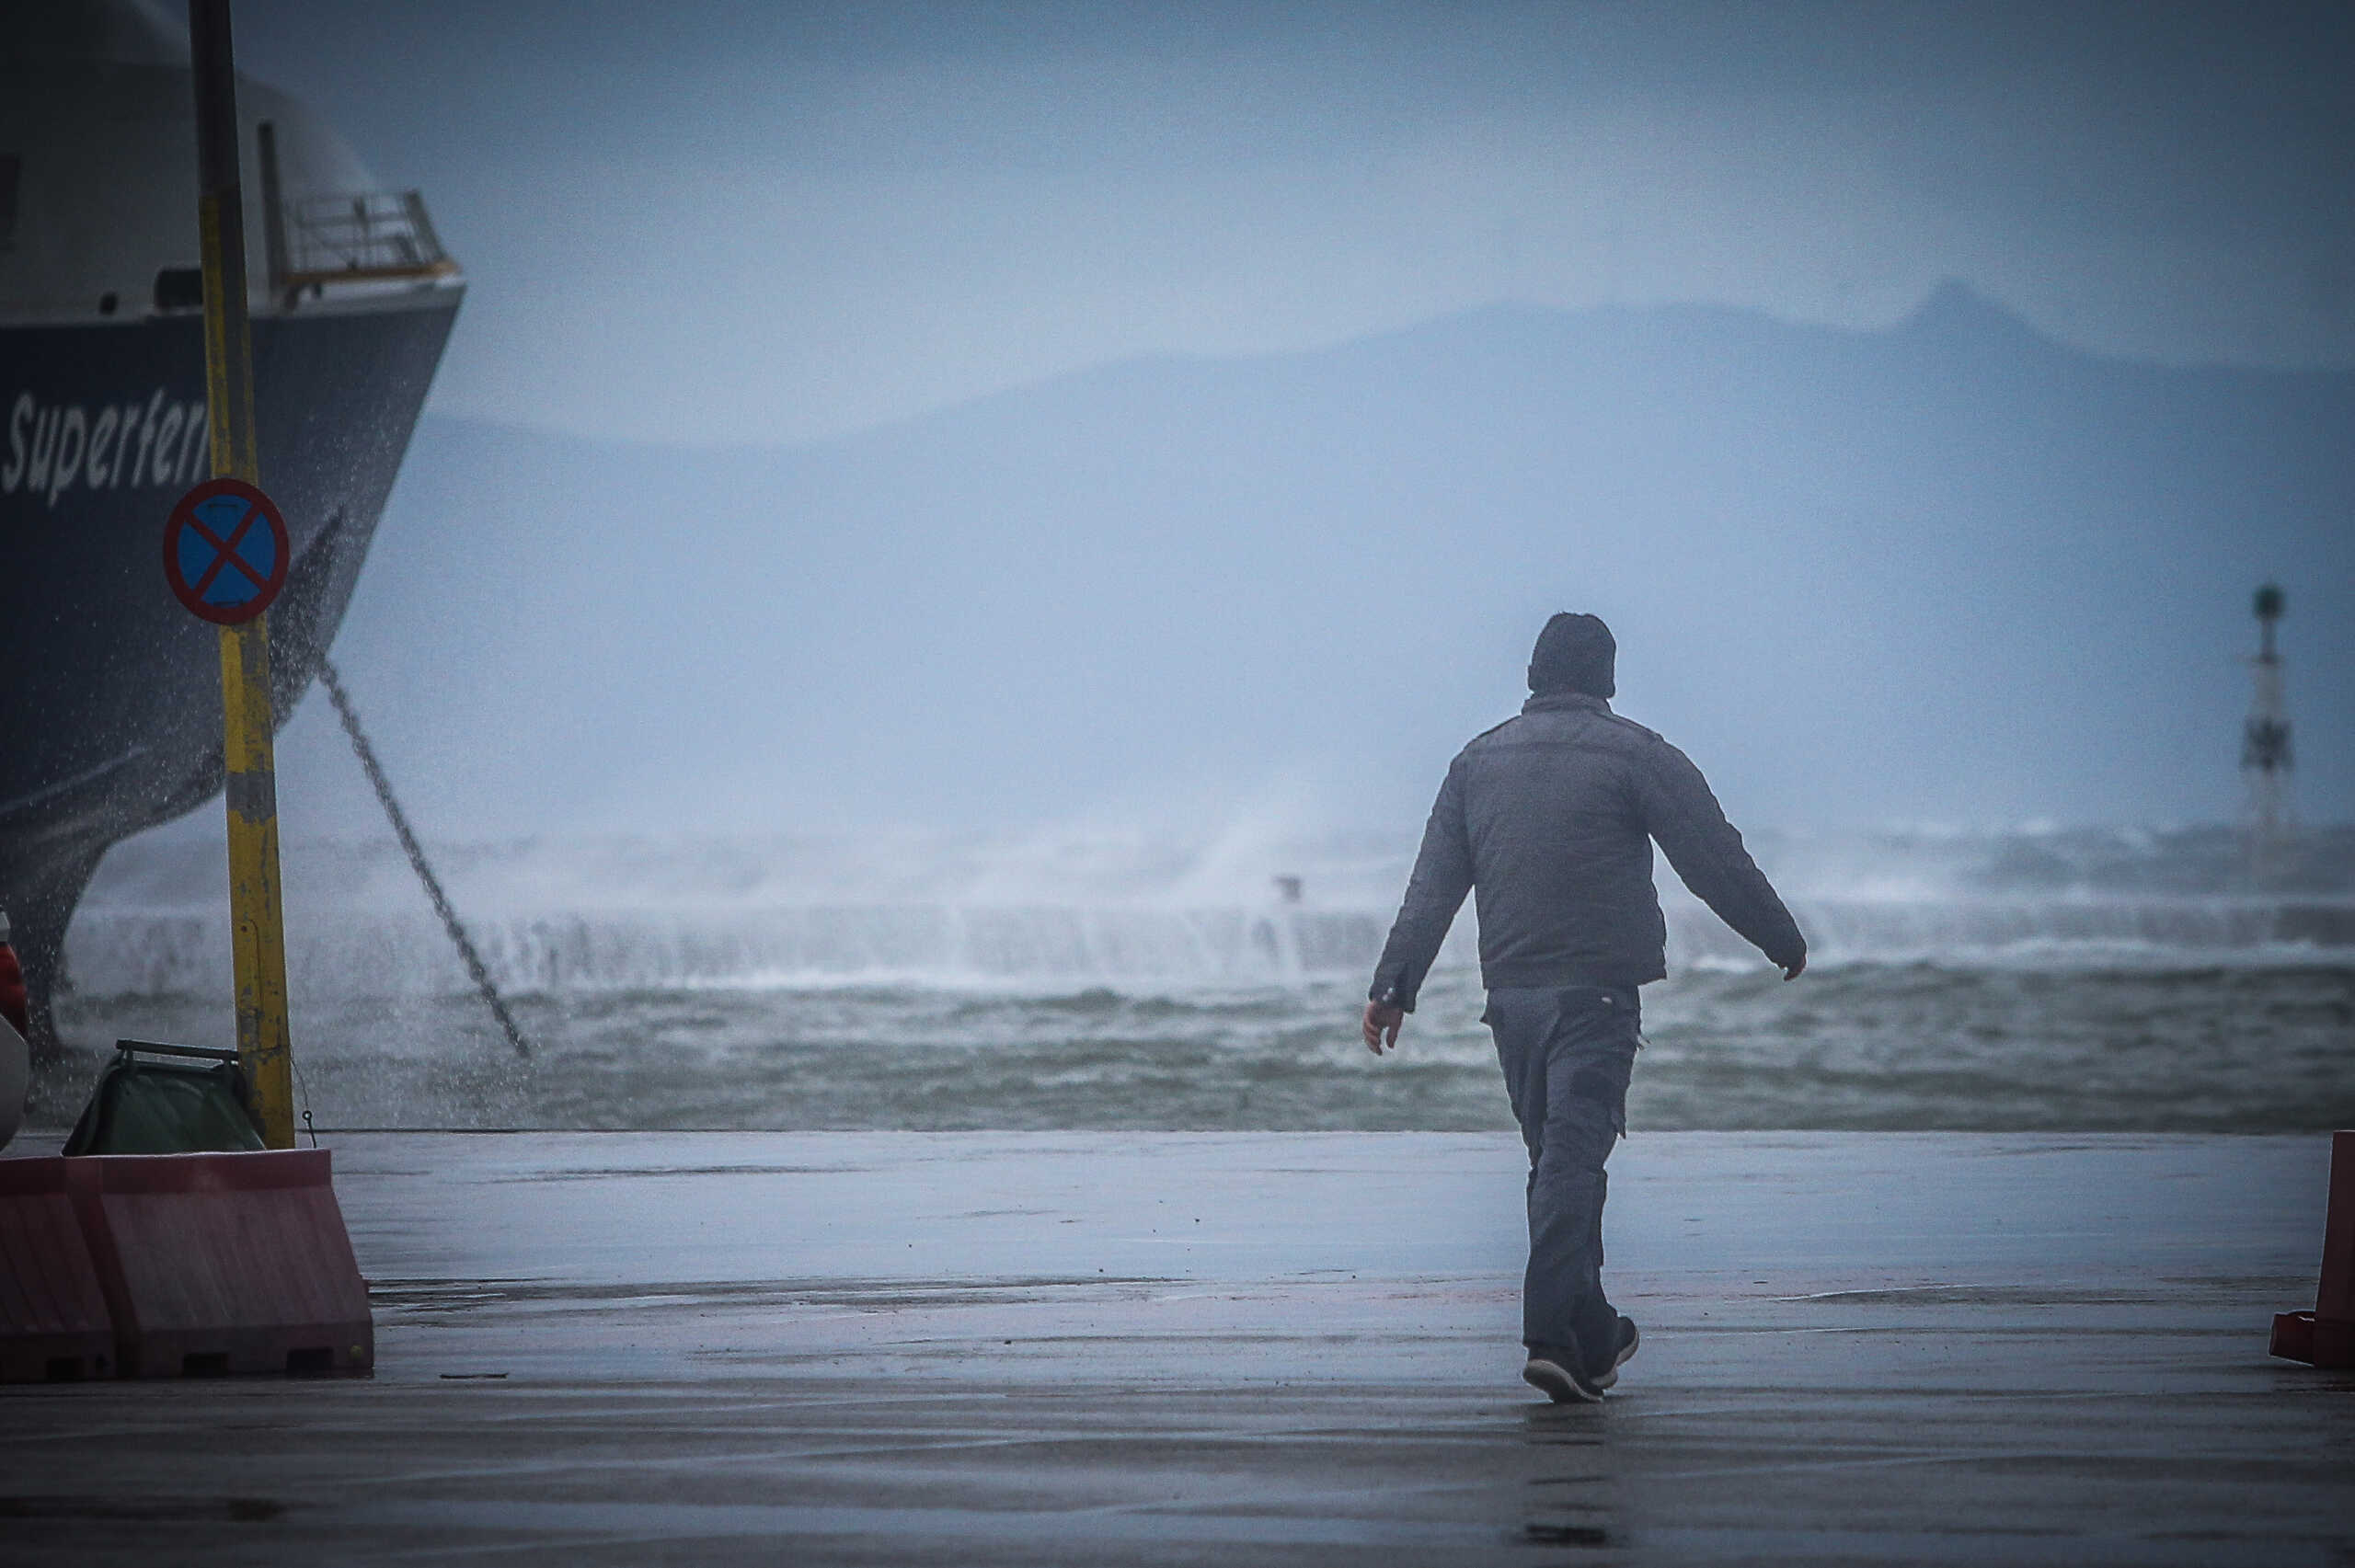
1551, 817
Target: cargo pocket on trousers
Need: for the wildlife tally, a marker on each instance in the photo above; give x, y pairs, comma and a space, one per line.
1605, 1081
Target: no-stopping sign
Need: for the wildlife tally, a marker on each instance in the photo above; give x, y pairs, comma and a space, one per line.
224, 551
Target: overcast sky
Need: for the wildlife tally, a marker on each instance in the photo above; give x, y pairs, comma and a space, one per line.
722, 222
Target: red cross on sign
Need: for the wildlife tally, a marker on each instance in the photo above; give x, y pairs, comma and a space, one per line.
226, 551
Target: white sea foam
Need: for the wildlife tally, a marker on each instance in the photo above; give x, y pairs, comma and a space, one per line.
1127, 910
1111, 978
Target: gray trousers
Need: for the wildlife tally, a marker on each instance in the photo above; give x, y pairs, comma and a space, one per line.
1567, 1053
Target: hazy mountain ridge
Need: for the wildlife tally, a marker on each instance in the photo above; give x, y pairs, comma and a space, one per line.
1953, 571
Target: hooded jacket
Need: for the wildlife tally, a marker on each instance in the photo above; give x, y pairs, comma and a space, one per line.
1551, 817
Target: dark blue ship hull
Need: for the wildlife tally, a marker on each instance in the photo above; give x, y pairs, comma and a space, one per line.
110, 691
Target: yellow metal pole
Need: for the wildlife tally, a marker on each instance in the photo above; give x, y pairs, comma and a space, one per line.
256, 912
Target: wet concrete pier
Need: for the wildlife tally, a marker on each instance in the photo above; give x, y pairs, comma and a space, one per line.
884, 1349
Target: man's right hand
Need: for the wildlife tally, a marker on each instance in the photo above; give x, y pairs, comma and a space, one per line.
1383, 1023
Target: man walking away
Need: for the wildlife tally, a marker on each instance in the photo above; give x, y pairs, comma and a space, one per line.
1551, 817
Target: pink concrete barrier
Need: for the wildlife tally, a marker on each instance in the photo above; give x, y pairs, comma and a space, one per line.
2326, 1337
223, 1263
53, 1320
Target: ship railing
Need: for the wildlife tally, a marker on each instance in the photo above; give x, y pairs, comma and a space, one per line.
371, 236
357, 238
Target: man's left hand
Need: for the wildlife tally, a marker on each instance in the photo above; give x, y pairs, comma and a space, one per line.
1383, 1023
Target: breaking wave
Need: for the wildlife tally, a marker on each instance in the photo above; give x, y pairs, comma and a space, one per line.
1051, 948
1140, 983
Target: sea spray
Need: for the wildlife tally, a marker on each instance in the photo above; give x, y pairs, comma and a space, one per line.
1104, 980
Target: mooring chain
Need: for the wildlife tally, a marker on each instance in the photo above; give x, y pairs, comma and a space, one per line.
416, 852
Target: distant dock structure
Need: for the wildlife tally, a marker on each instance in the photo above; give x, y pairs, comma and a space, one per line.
2267, 757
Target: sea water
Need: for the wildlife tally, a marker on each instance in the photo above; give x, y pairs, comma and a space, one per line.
1133, 981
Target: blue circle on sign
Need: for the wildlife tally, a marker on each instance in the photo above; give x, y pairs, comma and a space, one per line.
226, 559
224, 550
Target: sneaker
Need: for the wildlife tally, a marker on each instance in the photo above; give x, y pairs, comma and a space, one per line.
1560, 1376
1624, 1345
